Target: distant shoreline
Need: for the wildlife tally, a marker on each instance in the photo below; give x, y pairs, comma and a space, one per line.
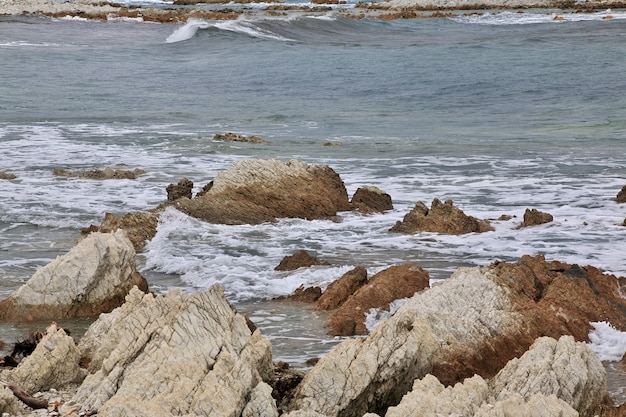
388, 10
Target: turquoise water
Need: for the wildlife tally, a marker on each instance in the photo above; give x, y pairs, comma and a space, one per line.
499, 113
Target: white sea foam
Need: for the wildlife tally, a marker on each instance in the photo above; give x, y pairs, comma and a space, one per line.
376, 315
188, 30
527, 18
607, 342
248, 27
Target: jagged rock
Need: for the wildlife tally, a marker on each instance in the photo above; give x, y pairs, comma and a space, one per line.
534, 217
339, 291
306, 295
233, 137
479, 319
300, 259
371, 200
101, 174
184, 188
93, 277
395, 282
53, 363
621, 196
182, 354
255, 191
440, 218
7, 176
140, 226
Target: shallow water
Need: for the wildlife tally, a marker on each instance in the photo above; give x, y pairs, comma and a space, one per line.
499, 113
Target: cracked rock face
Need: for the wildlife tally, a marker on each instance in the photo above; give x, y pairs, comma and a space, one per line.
93, 277
255, 191
176, 354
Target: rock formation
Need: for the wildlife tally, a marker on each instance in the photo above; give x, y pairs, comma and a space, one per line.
339, 291
300, 259
184, 188
472, 323
255, 191
9, 404
534, 217
395, 282
101, 174
371, 200
140, 227
183, 354
7, 176
233, 137
440, 218
621, 196
93, 277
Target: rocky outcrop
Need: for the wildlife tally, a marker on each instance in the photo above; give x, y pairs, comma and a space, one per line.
182, 354
305, 295
477, 321
184, 188
101, 174
300, 259
93, 277
371, 200
255, 191
621, 196
533, 217
395, 282
339, 291
140, 227
552, 378
233, 137
7, 176
53, 364
440, 218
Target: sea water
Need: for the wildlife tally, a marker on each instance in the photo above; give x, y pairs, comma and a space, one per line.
498, 112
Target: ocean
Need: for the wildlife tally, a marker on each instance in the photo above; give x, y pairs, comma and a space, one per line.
498, 112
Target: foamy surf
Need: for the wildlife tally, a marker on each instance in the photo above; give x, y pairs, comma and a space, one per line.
241, 26
607, 342
529, 18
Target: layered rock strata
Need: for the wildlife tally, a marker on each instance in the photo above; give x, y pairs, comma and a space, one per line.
255, 191
440, 218
179, 354
93, 277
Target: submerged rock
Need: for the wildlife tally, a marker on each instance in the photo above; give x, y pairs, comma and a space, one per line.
7, 176
93, 277
621, 196
255, 191
371, 200
101, 174
233, 137
179, 354
440, 218
535, 217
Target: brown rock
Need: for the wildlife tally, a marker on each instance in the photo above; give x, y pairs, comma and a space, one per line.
101, 174
139, 226
395, 282
534, 217
339, 291
440, 218
305, 295
255, 191
621, 196
371, 199
233, 137
7, 176
183, 189
300, 259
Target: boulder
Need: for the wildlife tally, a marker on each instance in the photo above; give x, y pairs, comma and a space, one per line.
184, 188
101, 174
53, 364
300, 259
621, 196
7, 176
339, 291
440, 218
255, 191
93, 277
178, 354
534, 217
478, 320
395, 282
371, 200
305, 295
140, 227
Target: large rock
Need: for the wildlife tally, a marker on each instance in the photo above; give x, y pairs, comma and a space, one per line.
440, 218
300, 259
371, 200
93, 277
535, 217
339, 291
553, 377
140, 226
395, 282
179, 354
53, 364
184, 188
477, 320
256, 191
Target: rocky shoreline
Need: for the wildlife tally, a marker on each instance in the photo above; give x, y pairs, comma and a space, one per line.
504, 339
386, 9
